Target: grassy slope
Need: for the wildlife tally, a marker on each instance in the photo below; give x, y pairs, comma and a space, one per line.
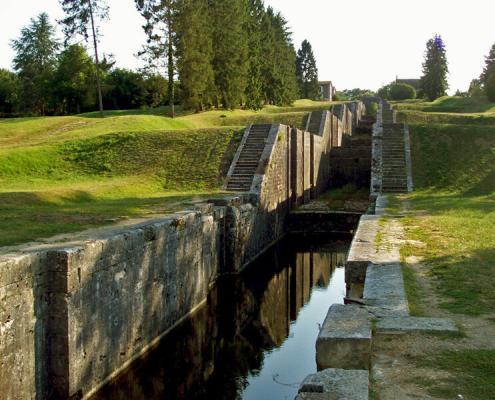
453, 212
64, 174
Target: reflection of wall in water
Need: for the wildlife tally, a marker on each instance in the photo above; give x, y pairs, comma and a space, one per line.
213, 352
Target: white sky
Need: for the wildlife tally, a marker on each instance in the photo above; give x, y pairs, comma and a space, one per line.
359, 43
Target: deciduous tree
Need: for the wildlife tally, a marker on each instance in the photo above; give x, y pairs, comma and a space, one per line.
81, 18
73, 80
160, 27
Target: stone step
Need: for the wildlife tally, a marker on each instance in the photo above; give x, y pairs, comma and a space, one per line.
344, 340
336, 384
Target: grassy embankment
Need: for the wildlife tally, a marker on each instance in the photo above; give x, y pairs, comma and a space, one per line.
66, 174
451, 216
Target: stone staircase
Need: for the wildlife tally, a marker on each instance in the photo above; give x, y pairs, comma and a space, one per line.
394, 172
365, 125
388, 115
241, 176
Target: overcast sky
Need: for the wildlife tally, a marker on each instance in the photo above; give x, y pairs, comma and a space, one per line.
359, 43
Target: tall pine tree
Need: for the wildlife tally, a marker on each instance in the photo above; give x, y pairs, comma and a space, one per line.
254, 89
487, 78
230, 60
279, 60
195, 54
35, 62
435, 69
160, 27
81, 15
307, 72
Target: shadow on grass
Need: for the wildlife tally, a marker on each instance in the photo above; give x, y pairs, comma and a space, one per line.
465, 280
163, 111
26, 217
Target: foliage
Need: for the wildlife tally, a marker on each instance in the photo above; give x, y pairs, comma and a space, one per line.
384, 92
279, 60
160, 49
195, 54
79, 14
254, 88
9, 92
125, 89
73, 80
487, 78
35, 62
230, 51
307, 72
355, 94
435, 69
401, 91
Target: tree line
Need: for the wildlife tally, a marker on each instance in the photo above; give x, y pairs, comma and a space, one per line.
215, 53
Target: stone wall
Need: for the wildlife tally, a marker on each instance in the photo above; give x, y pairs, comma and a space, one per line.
74, 315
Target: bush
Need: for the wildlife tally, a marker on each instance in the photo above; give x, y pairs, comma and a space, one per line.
372, 109
402, 91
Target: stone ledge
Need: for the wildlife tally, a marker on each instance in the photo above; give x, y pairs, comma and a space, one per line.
344, 340
415, 325
335, 384
384, 291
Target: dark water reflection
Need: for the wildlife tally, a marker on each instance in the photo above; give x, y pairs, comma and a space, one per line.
255, 338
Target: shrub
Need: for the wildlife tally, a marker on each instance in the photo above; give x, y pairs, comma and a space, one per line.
402, 91
372, 109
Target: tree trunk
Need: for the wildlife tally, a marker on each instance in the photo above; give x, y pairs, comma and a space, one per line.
95, 43
171, 87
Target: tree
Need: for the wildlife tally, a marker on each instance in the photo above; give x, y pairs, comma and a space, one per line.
195, 53
279, 60
435, 69
156, 87
254, 89
126, 89
230, 53
487, 78
355, 94
160, 28
307, 72
401, 91
35, 61
475, 88
9, 92
80, 14
73, 79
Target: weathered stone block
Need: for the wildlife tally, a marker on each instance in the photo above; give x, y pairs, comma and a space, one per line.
335, 384
344, 340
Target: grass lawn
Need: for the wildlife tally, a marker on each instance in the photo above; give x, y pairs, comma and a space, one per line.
452, 212
66, 174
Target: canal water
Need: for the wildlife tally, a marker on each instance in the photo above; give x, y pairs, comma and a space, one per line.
255, 337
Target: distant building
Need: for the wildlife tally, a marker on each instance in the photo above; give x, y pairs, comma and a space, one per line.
327, 90
415, 83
